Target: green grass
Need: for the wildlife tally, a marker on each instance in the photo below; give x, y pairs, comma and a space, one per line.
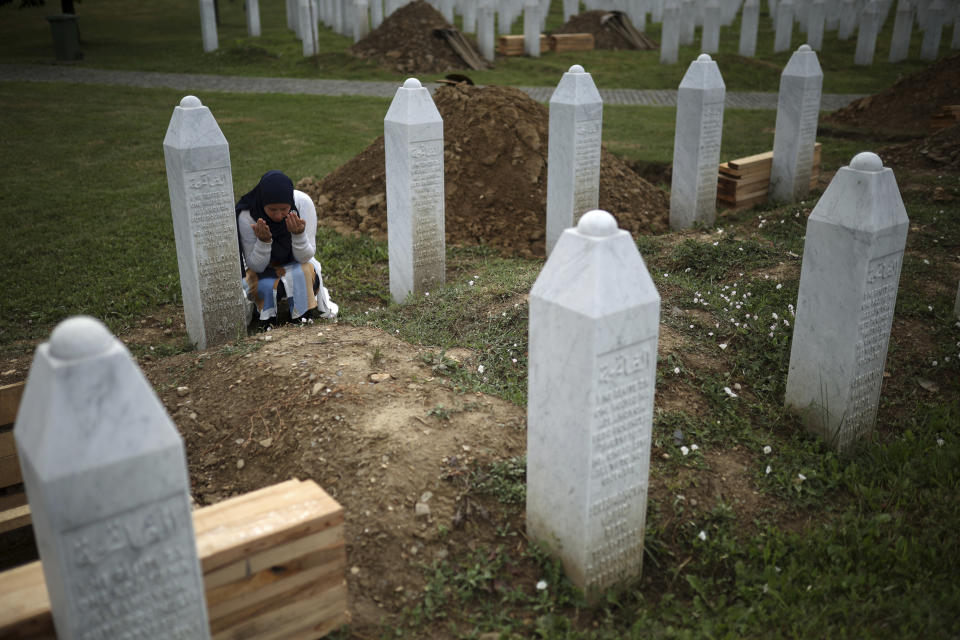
164, 35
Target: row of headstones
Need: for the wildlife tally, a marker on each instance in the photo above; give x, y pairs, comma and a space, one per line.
699, 127
594, 326
867, 17
201, 188
680, 18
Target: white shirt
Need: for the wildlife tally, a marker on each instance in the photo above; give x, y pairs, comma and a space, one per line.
256, 252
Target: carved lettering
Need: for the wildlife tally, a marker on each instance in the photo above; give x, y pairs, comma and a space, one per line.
586, 166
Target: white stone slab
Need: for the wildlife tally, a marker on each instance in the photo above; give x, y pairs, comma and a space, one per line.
292, 17
413, 138
816, 18
208, 26
361, 19
204, 225
106, 477
798, 110
573, 156
310, 37
902, 28
848, 290
933, 30
253, 17
376, 13
784, 30
688, 22
848, 19
670, 33
531, 28
696, 145
710, 39
594, 325
469, 20
749, 22
570, 8
867, 34
486, 33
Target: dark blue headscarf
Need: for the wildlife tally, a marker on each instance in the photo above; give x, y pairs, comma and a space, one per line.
274, 188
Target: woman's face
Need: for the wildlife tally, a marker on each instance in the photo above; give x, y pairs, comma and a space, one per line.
277, 212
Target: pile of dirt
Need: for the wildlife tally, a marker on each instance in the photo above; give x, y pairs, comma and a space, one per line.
909, 104
406, 42
940, 151
604, 35
495, 154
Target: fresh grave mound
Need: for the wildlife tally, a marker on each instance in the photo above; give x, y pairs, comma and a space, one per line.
406, 42
909, 104
940, 150
495, 153
605, 35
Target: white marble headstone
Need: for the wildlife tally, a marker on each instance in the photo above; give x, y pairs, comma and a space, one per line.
867, 32
208, 26
106, 476
784, 29
486, 33
710, 36
594, 325
848, 290
848, 19
749, 22
933, 29
531, 28
361, 19
204, 225
798, 110
670, 33
413, 139
573, 156
902, 28
253, 18
816, 18
696, 145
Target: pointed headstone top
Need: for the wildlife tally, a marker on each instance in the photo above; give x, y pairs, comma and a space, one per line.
190, 102
412, 83
803, 63
79, 337
597, 224
576, 87
703, 73
866, 161
704, 57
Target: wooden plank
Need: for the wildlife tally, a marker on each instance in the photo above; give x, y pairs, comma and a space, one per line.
561, 42
253, 563
275, 596
224, 546
324, 598
9, 402
759, 158
13, 499
225, 599
10, 471
14, 518
7, 446
25, 605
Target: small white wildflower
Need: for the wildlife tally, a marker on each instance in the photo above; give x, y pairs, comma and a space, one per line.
687, 270
779, 286
504, 314
666, 275
770, 335
470, 283
702, 535
934, 363
684, 450
940, 442
723, 345
542, 585
514, 360
768, 470
766, 587
715, 243
775, 316
426, 293
480, 369
730, 392
767, 449
801, 477
925, 261
676, 369
397, 331
694, 447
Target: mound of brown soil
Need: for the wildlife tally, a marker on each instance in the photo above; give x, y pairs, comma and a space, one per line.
405, 41
909, 104
940, 150
495, 149
604, 35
